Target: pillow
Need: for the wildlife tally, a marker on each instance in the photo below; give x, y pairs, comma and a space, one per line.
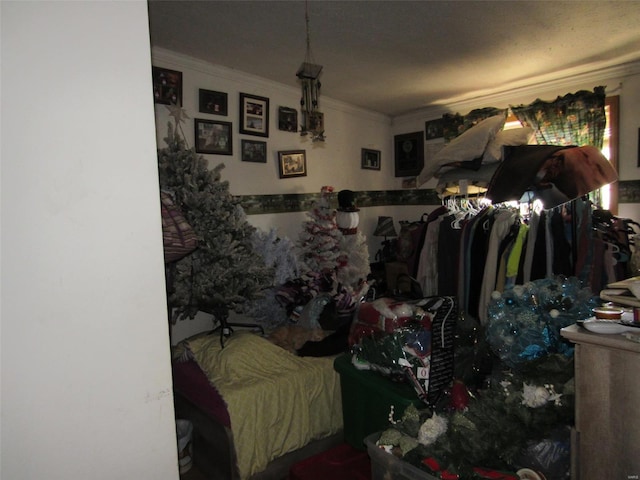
467, 147
506, 138
238, 357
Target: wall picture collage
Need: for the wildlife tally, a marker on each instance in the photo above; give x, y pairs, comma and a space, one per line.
215, 136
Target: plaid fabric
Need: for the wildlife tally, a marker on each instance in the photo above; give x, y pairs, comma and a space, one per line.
178, 237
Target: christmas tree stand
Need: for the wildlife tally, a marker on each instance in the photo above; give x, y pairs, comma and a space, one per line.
220, 314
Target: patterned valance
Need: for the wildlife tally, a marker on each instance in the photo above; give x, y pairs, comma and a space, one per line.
575, 119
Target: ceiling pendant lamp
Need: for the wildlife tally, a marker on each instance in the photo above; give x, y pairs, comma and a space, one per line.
308, 73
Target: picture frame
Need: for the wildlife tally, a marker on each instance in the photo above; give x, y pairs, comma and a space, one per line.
370, 159
167, 86
210, 101
253, 151
287, 119
292, 163
434, 129
254, 115
213, 137
408, 154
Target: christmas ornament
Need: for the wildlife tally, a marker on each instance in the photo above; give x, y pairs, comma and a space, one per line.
459, 396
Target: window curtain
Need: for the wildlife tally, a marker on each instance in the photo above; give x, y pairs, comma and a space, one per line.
575, 119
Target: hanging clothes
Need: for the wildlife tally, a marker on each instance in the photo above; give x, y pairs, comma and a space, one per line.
503, 222
427, 274
497, 248
448, 256
514, 261
560, 235
474, 251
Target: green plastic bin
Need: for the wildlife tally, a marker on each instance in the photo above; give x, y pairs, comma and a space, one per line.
366, 400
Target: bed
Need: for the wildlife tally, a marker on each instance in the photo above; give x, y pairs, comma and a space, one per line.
255, 407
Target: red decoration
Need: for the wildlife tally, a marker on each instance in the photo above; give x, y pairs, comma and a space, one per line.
494, 474
432, 463
435, 467
459, 395
446, 475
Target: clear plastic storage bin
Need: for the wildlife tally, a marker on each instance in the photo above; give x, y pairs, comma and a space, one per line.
385, 466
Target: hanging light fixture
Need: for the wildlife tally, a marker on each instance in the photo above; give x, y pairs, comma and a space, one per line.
308, 73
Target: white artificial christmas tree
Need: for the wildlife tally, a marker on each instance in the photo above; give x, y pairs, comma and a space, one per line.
319, 240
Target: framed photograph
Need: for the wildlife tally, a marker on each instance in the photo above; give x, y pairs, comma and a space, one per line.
213, 137
167, 86
434, 129
370, 159
253, 151
212, 102
409, 154
292, 163
254, 115
288, 119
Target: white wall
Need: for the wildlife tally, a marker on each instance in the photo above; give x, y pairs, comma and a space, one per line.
86, 381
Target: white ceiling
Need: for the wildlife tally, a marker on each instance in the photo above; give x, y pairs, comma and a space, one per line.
398, 56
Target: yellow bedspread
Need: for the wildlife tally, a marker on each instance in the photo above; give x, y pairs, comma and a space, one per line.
277, 402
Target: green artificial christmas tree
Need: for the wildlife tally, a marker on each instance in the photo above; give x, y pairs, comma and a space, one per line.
224, 272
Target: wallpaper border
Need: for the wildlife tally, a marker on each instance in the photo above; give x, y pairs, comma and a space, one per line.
300, 202
628, 192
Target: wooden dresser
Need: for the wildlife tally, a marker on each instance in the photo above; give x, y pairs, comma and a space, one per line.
606, 441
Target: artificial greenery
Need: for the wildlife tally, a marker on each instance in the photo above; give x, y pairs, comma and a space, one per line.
224, 272
497, 425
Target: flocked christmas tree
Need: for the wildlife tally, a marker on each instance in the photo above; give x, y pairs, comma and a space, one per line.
280, 255
224, 272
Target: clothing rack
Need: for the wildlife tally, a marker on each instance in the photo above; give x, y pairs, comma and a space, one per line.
558, 241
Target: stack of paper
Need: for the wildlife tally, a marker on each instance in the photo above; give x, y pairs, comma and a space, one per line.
618, 292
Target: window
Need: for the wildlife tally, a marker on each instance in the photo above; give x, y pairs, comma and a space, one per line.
609, 193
